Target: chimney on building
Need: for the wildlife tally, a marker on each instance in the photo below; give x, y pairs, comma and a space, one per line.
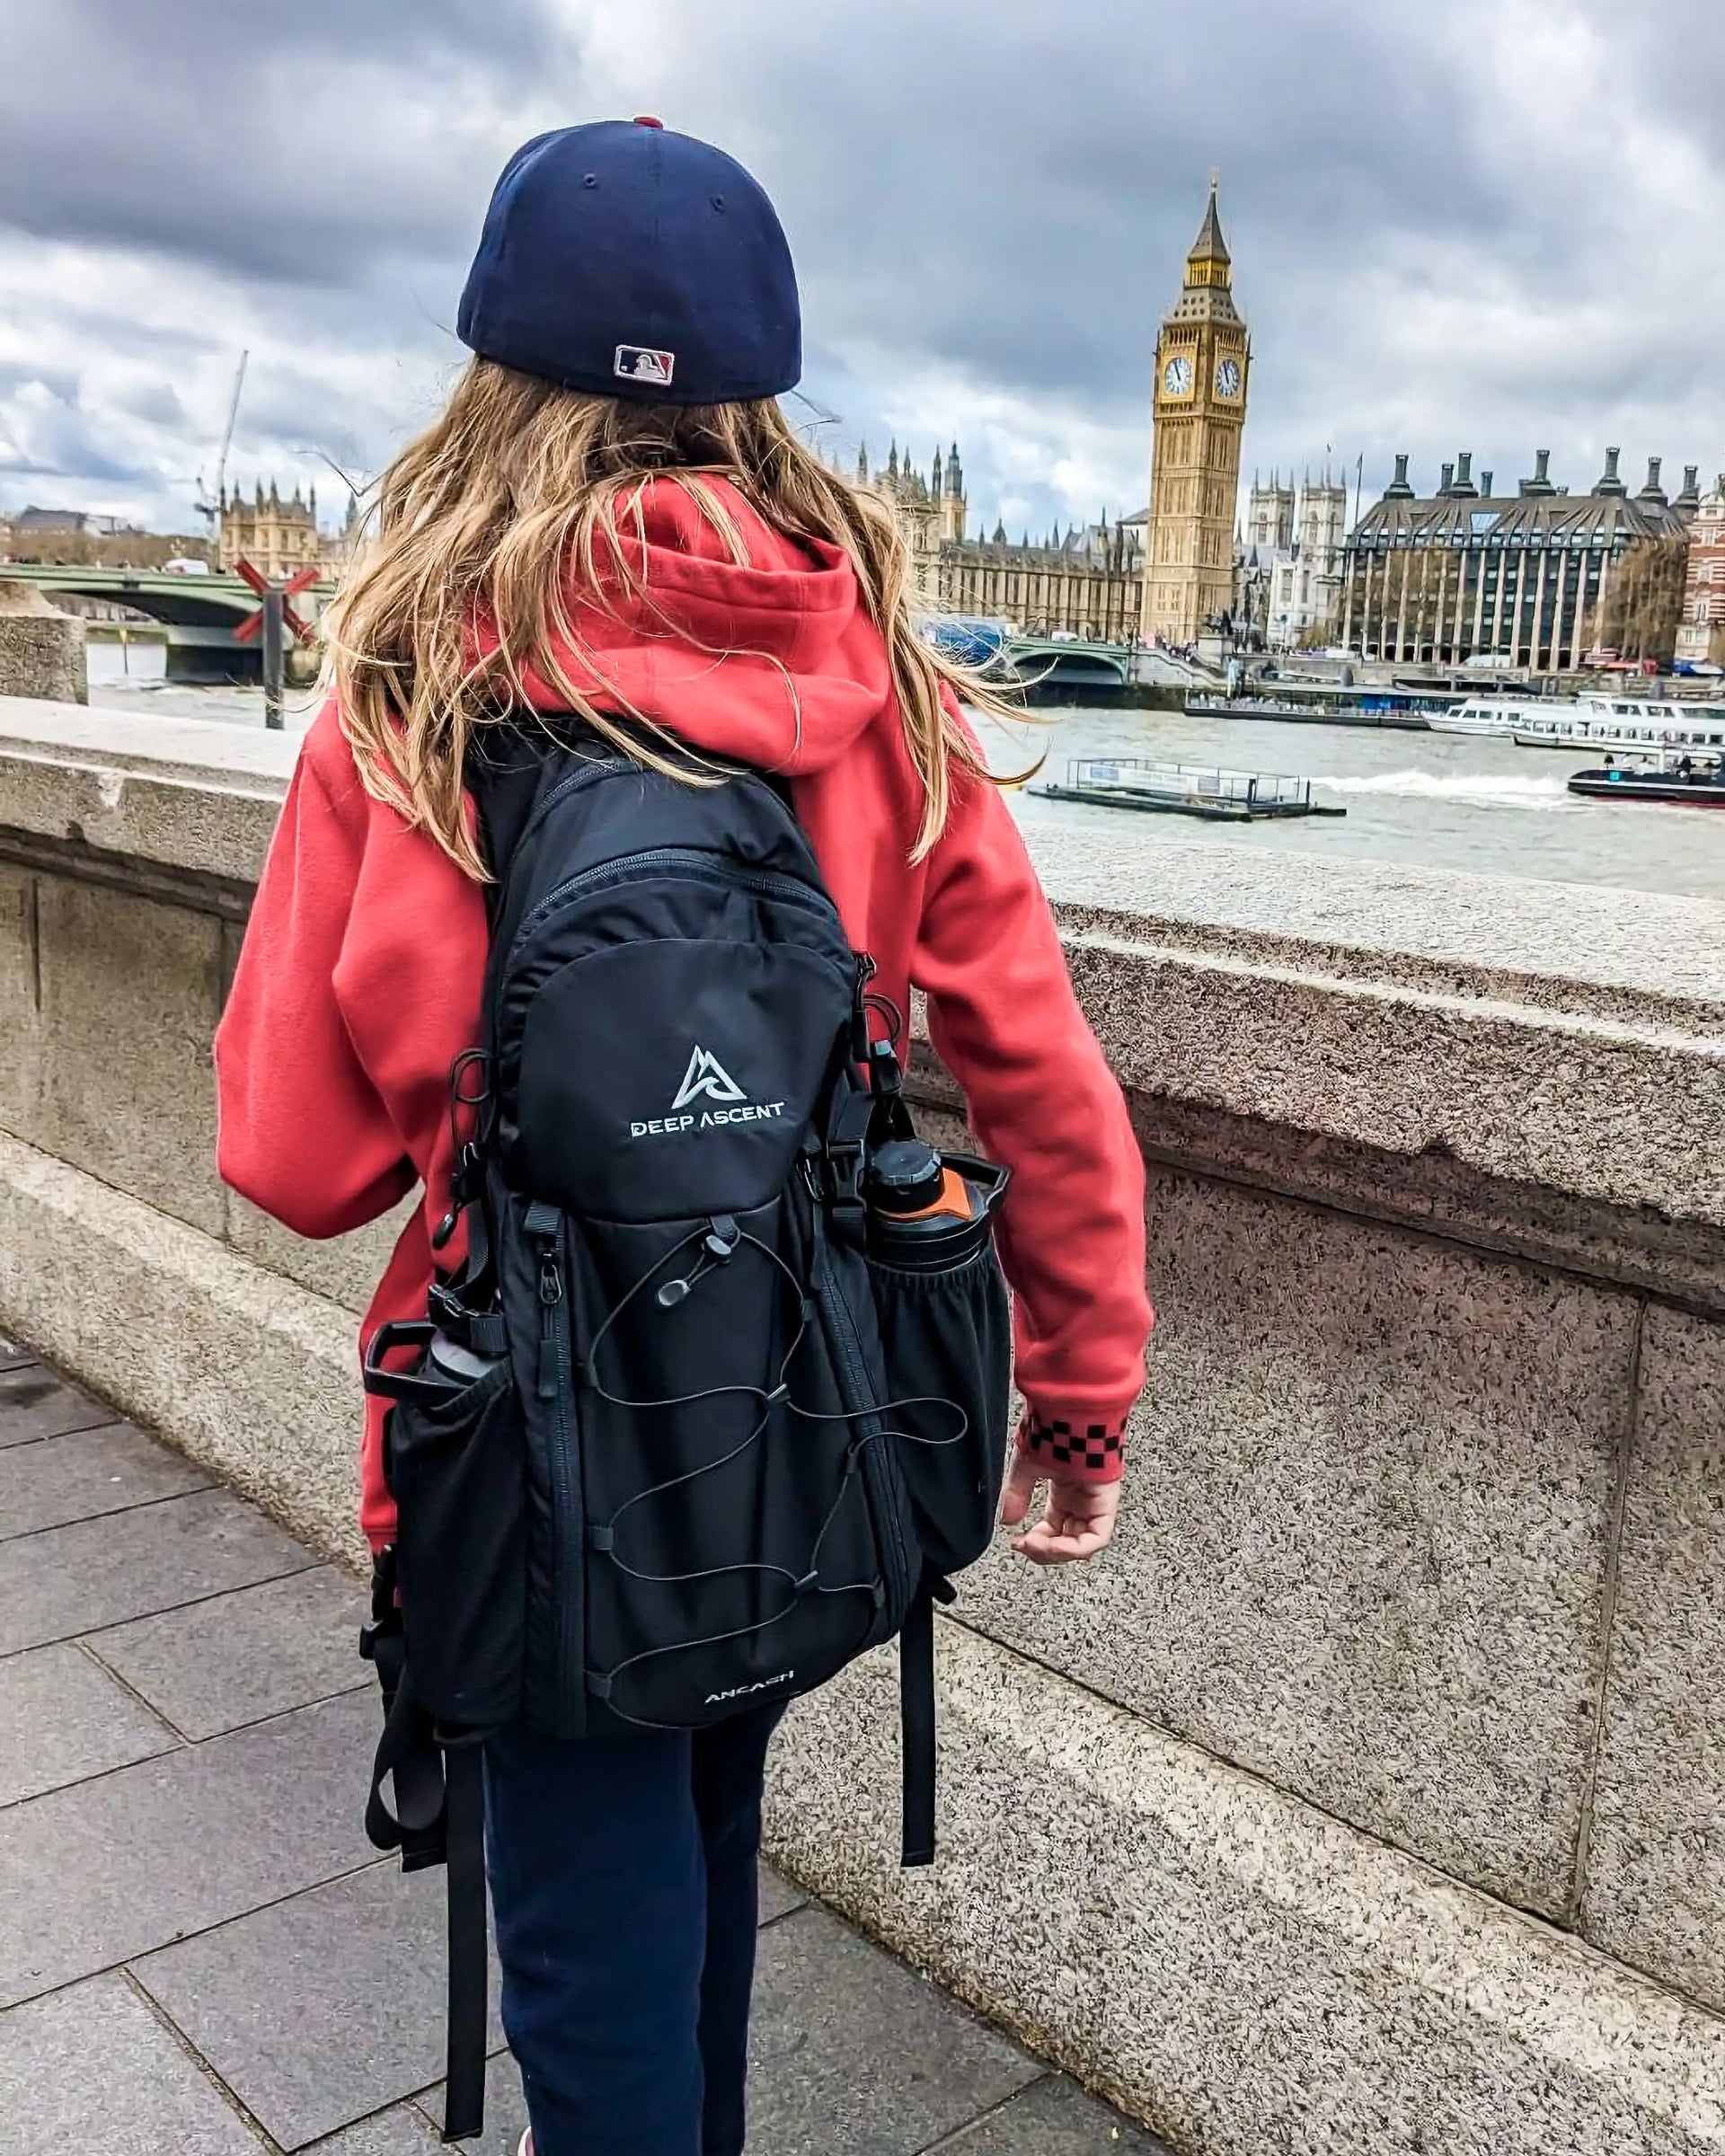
1608, 482
1541, 483
1689, 501
1447, 478
1464, 475
1653, 493
1485, 484
1398, 489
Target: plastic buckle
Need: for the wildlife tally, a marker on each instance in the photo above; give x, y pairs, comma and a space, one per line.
844, 1171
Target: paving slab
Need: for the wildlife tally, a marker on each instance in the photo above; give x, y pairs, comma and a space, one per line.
91, 2072
86, 1473
398, 2132
96, 1573
63, 1719
853, 2051
1053, 2118
323, 2009
35, 1402
217, 1665
779, 1897
94, 1875
232, 1875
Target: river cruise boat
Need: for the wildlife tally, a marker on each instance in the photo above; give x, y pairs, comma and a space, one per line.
1218, 797
1614, 723
1497, 715
1325, 703
1626, 723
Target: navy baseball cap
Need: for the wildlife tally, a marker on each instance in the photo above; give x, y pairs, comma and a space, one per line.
623, 258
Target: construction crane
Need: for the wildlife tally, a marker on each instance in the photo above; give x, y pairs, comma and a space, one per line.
211, 511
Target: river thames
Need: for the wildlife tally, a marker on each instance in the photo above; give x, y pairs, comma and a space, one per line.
1435, 800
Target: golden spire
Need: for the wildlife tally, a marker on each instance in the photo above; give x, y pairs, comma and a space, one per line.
1208, 261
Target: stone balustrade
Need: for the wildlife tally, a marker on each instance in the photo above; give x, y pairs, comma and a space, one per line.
1371, 1795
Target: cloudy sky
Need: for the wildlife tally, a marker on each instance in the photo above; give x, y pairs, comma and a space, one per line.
1495, 224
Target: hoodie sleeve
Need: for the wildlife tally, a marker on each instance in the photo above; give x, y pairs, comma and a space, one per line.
1042, 1100
301, 1130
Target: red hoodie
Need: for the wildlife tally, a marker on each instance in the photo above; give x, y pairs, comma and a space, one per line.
359, 980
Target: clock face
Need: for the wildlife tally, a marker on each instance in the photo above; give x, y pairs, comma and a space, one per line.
1177, 375
1227, 378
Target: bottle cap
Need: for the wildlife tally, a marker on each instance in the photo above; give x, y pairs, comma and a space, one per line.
905, 1176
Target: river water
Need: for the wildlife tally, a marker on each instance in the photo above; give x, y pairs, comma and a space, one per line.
1437, 801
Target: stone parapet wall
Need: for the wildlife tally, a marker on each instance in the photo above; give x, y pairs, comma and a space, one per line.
1368, 1796
41, 650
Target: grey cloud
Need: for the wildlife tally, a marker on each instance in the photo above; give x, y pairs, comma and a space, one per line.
300, 144
157, 403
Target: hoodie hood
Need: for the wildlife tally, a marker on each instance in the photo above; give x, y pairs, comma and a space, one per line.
771, 662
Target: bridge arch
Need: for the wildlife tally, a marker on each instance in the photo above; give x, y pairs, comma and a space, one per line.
1048, 668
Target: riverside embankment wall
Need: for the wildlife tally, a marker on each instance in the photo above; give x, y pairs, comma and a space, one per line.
1370, 1797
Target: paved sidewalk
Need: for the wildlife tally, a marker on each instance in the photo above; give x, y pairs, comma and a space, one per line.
201, 1954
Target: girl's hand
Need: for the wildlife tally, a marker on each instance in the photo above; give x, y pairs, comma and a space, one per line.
1077, 1522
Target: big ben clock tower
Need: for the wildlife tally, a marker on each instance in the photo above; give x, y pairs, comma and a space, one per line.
1203, 358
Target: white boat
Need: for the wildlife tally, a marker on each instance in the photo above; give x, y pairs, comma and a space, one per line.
1618, 723
1499, 715
1594, 721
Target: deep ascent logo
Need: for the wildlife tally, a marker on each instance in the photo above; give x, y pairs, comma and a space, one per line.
707, 1078
707, 1074
744, 1692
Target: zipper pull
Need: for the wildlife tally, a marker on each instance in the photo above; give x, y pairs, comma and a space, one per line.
551, 1294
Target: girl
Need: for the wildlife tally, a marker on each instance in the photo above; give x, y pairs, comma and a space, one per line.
613, 519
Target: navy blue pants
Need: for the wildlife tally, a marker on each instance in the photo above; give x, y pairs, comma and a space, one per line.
623, 1877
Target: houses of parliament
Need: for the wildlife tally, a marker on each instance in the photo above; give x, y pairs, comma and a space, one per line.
1161, 575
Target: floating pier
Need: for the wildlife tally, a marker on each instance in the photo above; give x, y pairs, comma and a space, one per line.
1218, 797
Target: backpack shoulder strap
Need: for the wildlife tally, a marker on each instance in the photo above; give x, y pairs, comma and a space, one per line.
509, 767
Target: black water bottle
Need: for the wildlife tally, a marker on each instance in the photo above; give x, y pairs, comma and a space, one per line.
923, 1214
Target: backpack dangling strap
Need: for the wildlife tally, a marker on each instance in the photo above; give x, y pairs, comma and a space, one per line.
464, 2102
917, 1716
439, 1818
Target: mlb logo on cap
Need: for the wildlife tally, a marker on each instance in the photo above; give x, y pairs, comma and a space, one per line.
641, 363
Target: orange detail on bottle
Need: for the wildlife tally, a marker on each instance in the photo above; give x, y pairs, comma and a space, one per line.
956, 1201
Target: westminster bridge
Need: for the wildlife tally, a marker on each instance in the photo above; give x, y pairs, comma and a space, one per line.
200, 613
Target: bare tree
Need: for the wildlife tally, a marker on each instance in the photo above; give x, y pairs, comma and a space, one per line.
1642, 600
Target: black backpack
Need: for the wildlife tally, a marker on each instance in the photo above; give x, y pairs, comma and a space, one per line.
693, 1426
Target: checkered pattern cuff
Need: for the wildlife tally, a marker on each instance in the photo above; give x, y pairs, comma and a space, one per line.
1077, 1452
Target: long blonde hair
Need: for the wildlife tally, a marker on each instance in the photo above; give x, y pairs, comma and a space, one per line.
513, 507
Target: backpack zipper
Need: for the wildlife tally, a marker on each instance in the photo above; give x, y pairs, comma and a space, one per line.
541, 1225
767, 882
602, 767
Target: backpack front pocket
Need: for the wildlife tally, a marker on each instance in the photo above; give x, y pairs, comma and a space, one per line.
456, 1471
